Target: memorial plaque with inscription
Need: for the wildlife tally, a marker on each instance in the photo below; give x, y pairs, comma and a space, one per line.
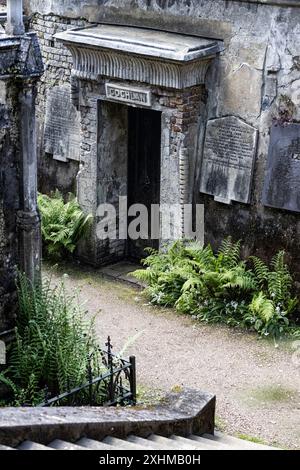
130, 95
282, 183
62, 126
228, 159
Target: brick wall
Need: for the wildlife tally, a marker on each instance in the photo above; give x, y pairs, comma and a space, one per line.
58, 64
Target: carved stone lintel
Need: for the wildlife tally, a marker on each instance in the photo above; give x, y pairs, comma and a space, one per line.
91, 64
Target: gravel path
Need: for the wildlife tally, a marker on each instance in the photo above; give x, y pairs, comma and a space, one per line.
257, 385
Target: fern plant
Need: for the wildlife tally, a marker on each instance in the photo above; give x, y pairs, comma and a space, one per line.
63, 224
273, 303
221, 286
54, 345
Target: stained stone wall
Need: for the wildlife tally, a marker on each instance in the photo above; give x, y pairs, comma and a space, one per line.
54, 173
256, 79
9, 203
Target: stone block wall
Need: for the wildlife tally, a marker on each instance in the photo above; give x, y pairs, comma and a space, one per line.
256, 78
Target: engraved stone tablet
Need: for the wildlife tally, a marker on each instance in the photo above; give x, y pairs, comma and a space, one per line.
62, 126
127, 94
228, 159
282, 183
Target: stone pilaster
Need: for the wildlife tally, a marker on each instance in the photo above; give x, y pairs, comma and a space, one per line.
20, 242
28, 217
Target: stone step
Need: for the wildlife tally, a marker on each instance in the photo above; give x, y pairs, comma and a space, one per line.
29, 445
145, 443
94, 445
213, 445
218, 441
203, 445
236, 442
184, 441
63, 445
171, 444
121, 444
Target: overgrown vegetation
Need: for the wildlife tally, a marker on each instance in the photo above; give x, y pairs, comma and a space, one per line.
54, 348
63, 224
222, 287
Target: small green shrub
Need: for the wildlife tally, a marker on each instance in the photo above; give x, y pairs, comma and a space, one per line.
221, 287
63, 224
54, 345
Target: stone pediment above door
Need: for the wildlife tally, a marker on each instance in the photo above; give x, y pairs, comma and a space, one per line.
142, 55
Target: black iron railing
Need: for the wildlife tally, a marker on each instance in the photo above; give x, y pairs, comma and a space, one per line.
116, 386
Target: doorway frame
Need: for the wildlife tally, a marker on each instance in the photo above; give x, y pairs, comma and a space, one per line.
133, 145
181, 114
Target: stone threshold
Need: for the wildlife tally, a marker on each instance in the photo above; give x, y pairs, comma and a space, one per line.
122, 272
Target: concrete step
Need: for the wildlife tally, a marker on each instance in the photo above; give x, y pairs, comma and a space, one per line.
62, 445
91, 444
235, 442
28, 445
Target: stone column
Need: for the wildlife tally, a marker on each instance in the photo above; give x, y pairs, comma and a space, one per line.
15, 24
28, 216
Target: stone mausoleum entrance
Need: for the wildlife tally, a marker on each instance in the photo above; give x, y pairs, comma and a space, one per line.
144, 161
139, 93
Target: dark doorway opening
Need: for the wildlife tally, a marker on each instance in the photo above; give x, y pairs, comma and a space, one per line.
144, 162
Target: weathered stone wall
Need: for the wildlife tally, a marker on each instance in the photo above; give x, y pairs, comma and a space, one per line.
20, 66
53, 174
9, 203
256, 78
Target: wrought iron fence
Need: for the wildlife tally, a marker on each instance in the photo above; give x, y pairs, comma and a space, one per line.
116, 386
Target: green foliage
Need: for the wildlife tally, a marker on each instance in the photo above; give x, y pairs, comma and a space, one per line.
63, 224
272, 305
54, 345
221, 287
276, 281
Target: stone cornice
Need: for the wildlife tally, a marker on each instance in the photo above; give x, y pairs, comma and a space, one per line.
91, 64
157, 58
